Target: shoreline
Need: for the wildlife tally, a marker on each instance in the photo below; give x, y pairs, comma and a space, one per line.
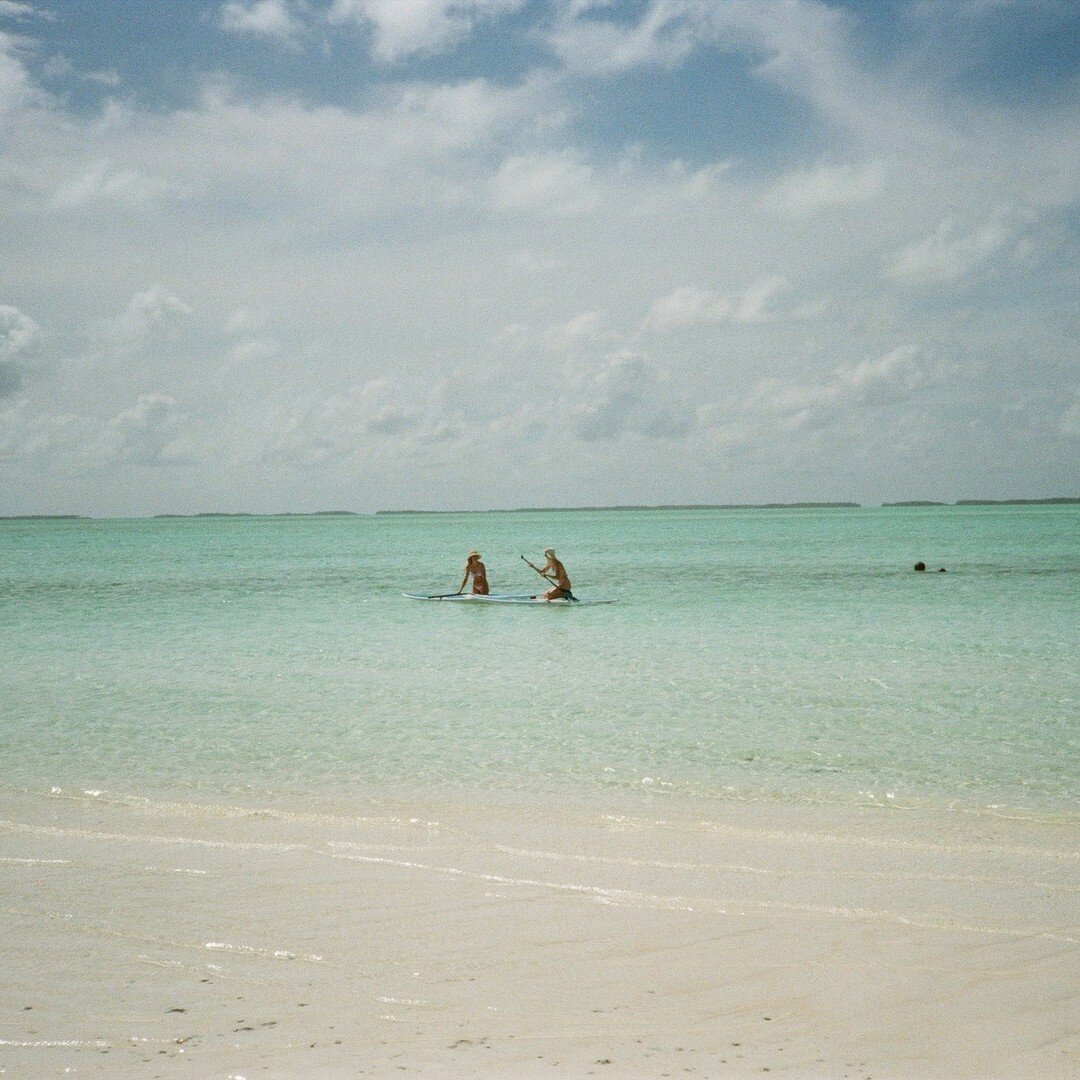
471, 938
345, 798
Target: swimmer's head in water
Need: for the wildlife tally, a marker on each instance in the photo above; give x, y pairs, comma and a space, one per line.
920, 566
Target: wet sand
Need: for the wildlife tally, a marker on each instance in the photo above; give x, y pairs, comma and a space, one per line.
149, 939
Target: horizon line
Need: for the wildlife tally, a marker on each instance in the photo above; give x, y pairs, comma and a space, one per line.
1055, 500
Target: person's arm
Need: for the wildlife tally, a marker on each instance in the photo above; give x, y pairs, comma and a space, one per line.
541, 570
461, 587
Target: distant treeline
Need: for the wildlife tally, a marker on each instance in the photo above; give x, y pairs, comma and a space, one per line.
1060, 501
245, 513
663, 506
748, 506
1016, 502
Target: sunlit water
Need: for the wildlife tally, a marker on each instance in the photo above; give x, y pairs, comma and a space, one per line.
752, 654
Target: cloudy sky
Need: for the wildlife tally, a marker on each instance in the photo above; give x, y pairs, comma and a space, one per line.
306, 254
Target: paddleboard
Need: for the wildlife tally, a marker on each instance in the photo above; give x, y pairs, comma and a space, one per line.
523, 598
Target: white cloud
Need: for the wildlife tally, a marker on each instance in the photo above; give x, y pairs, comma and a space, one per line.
692, 306
804, 46
274, 159
805, 191
403, 28
251, 353
267, 18
696, 185
26, 433
17, 334
687, 307
17, 331
148, 311
281, 160
870, 384
567, 334
11, 9
952, 252
666, 32
462, 113
246, 320
349, 424
149, 433
15, 85
60, 67
756, 303
558, 183
105, 184
626, 394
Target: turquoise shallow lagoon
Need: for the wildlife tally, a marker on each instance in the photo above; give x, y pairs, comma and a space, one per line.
753, 654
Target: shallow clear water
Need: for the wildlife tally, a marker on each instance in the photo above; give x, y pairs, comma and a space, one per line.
755, 653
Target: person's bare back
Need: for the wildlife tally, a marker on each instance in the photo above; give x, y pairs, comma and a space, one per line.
554, 571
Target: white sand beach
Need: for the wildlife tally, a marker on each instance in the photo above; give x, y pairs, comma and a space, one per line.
152, 939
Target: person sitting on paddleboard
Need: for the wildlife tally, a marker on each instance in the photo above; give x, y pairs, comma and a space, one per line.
475, 569
554, 571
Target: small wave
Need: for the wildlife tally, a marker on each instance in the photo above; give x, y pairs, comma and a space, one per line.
50, 1044
650, 899
251, 950
922, 922
37, 862
180, 841
630, 822
216, 811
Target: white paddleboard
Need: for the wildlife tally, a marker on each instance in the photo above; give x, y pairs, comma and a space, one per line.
523, 598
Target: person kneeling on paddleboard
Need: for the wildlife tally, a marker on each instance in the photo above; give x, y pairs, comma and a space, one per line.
554, 571
475, 569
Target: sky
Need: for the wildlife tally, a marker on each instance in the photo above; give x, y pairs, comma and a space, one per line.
291, 255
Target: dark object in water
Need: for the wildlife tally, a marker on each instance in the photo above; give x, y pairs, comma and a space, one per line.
942, 570
920, 566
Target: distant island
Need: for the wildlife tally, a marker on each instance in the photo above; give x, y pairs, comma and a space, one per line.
1018, 502
662, 506
1060, 500
1056, 501
248, 513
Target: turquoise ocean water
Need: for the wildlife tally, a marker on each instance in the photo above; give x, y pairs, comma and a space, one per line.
752, 654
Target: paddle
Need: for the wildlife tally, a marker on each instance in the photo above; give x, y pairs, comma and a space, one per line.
566, 592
